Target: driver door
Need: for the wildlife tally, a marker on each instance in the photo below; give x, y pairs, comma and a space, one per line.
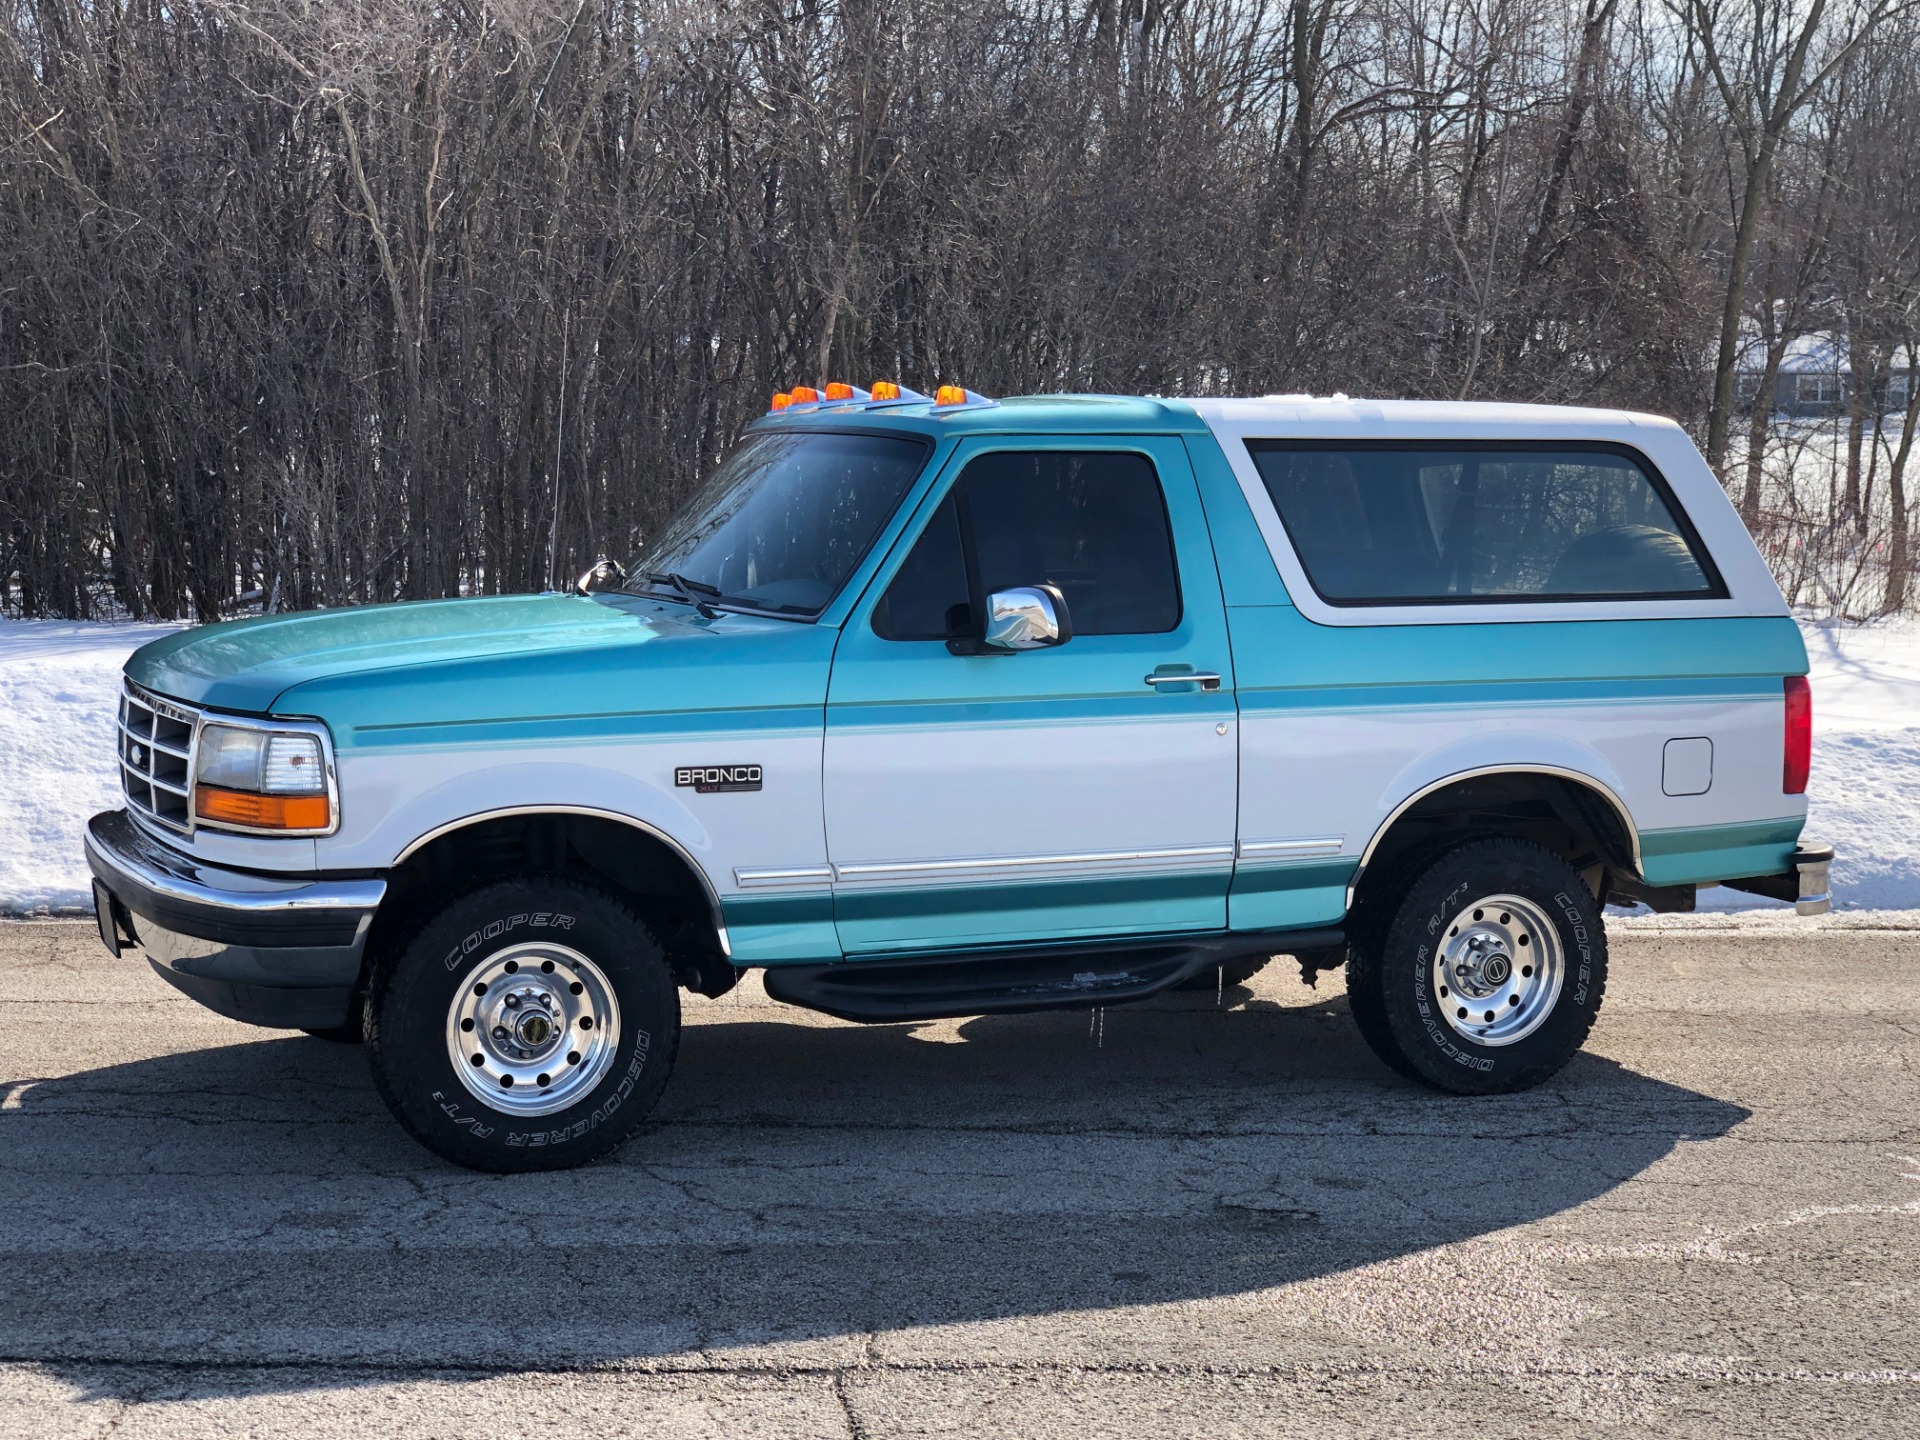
1048, 794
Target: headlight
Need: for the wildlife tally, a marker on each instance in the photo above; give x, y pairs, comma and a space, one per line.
261, 778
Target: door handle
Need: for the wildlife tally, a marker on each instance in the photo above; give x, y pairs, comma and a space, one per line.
1205, 679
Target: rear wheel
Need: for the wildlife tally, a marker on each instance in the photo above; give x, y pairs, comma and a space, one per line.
530, 1025
1488, 972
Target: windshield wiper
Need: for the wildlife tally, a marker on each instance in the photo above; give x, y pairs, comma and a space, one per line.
690, 591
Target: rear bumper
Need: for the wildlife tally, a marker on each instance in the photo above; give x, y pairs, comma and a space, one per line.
1806, 883
269, 950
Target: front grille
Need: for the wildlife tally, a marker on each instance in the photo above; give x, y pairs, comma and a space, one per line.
156, 765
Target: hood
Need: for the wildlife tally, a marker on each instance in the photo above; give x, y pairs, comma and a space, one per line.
249, 665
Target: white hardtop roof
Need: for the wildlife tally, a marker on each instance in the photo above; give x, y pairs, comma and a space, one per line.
1341, 415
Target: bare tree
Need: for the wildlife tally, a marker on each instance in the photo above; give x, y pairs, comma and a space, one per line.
325, 302
1768, 60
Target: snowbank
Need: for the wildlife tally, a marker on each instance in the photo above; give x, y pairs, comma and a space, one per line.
1864, 796
59, 691
59, 681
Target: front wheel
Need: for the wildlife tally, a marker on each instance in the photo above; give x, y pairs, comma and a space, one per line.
530, 1025
1487, 974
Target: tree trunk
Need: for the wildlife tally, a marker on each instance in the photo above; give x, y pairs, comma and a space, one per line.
1752, 205
1899, 544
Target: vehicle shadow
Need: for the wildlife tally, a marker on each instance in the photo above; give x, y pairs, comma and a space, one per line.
805, 1185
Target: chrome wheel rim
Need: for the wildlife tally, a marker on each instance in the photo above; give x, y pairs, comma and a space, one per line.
1498, 970
533, 1028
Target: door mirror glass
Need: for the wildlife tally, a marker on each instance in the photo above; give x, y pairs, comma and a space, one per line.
1027, 617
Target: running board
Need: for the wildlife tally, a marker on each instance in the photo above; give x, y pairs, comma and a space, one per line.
886, 988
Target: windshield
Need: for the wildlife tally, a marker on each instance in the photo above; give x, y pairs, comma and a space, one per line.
782, 522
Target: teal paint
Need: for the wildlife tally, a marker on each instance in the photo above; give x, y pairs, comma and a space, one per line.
244, 665
1279, 654
586, 729
1705, 854
1279, 895
643, 674
940, 917
906, 705
1482, 695
1248, 575
781, 929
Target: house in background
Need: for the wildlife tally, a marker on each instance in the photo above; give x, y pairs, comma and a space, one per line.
1815, 377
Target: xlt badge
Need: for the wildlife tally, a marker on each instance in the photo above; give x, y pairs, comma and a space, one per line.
718, 779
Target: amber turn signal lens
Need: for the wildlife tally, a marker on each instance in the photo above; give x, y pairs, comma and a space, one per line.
950, 395
781, 401
805, 395
261, 812
839, 390
885, 390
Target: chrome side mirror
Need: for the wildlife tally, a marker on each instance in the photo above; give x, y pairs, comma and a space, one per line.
597, 574
1027, 617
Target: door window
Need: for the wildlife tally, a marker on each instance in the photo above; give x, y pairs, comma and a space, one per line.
1092, 522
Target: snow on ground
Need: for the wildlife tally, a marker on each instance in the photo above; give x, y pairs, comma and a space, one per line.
59, 681
1864, 795
59, 689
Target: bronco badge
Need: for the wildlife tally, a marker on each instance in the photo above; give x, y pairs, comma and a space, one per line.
718, 779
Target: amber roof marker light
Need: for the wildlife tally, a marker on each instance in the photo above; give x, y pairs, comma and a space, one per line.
882, 392
953, 396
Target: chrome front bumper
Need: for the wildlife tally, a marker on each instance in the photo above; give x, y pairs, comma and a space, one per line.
266, 949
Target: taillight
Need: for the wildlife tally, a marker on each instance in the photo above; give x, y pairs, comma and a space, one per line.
1798, 755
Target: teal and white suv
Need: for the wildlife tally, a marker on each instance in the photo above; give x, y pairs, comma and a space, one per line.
940, 707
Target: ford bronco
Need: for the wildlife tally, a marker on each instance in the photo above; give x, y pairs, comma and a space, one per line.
939, 706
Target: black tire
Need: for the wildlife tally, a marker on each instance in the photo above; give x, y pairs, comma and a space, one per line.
1237, 972
1395, 981
412, 998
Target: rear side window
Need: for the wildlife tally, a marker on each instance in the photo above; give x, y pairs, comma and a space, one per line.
1425, 523
1092, 522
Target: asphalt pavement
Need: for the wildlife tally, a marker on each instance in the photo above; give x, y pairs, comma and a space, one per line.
1204, 1216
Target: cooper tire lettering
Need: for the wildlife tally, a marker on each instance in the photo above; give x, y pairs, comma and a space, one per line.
410, 1002
1392, 969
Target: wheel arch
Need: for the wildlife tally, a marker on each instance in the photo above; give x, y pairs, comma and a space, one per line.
1589, 808
627, 853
